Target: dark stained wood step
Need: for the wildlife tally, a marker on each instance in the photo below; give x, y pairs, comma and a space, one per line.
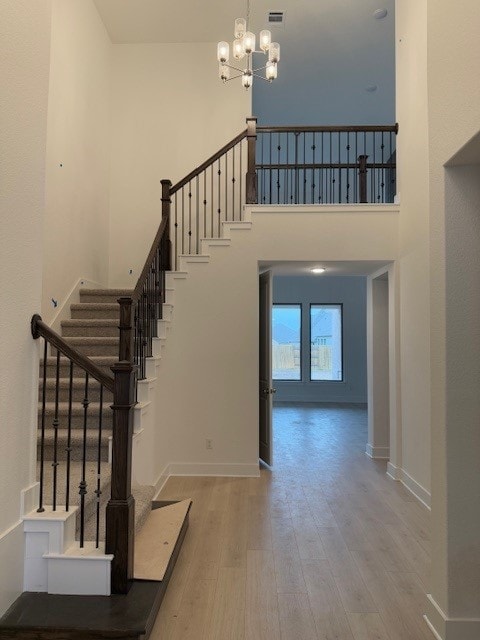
41, 616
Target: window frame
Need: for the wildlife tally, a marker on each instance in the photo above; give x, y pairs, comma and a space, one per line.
325, 304
290, 304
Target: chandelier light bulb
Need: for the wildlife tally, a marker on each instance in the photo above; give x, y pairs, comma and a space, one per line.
274, 52
238, 49
223, 52
249, 42
224, 72
247, 79
271, 71
265, 40
240, 27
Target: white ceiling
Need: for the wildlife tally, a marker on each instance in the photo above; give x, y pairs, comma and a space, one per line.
343, 268
332, 50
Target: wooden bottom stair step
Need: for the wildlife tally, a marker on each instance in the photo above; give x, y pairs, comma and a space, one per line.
41, 616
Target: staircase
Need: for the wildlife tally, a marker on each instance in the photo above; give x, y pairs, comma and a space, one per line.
93, 331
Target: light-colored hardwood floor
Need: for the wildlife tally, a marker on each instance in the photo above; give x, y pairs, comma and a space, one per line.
322, 547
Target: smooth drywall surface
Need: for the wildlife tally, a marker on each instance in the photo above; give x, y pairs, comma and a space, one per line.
413, 187
379, 366
351, 293
24, 69
454, 118
208, 380
78, 152
331, 54
170, 113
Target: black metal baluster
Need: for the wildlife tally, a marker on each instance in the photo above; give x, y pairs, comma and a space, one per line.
176, 235
219, 173
233, 183
83, 481
332, 184
241, 180
375, 195
205, 203
183, 221
55, 435
339, 167
226, 185
41, 508
348, 167
313, 168
212, 195
190, 218
366, 154
322, 170
382, 172
279, 148
355, 181
197, 208
304, 169
69, 437
98, 491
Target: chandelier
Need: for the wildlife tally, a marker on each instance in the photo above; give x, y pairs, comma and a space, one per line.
243, 48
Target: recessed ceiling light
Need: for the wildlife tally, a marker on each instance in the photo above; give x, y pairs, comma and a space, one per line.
379, 14
317, 270
371, 89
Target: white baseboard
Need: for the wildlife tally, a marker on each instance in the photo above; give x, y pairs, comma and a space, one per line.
11, 563
29, 498
416, 489
444, 628
214, 469
377, 453
160, 483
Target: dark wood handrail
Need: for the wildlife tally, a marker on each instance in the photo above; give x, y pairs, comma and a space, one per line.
207, 163
347, 128
39, 328
137, 292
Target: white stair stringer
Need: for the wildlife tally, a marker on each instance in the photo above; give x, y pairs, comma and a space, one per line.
54, 562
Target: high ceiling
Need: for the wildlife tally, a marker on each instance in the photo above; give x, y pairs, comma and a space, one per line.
333, 51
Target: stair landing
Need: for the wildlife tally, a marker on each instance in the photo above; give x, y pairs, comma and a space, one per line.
41, 616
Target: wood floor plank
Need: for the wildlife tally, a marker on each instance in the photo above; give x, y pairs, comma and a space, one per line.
367, 626
228, 620
296, 618
325, 601
261, 604
305, 551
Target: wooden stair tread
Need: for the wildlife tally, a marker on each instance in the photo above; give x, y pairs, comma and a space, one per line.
155, 542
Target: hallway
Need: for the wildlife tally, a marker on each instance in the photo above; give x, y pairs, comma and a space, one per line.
323, 547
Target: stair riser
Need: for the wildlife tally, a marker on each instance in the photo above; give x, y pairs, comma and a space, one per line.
95, 313
78, 372
104, 297
84, 331
97, 350
77, 394
77, 420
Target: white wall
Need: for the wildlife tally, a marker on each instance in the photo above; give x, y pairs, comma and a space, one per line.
349, 291
413, 188
78, 152
208, 380
24, 69
170, 113
454, 118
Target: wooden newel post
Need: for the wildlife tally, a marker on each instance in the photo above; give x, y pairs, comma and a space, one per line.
362, 178
166, 203
120, 513
251, 187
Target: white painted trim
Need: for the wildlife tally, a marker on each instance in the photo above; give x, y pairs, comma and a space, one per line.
220, 469
377, 453
444, 628
416, 489
73, 297
323, 208
161, 481
394, 472
10, 529
29, 498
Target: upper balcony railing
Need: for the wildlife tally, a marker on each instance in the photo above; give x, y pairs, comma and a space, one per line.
280, 166
325, 165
